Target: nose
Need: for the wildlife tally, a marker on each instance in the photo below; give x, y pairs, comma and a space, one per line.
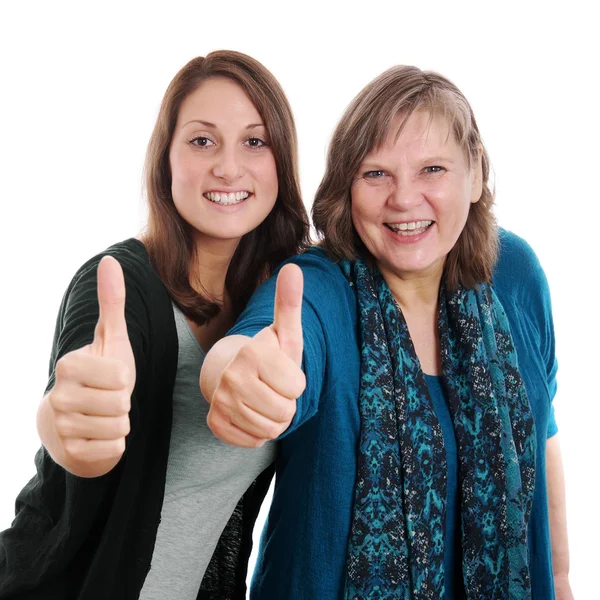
405, 196
228, 164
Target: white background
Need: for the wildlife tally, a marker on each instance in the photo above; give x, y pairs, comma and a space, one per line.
80, 88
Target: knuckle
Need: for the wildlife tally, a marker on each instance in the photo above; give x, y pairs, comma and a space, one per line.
64, 368
299, 384
250, 352
122, 404
123, 427
218, 401
273, 431
117, 447
236, 381
228, 380
219, 393
73, 448
214, 423
64, 426
121, 375
58, 400
288, 412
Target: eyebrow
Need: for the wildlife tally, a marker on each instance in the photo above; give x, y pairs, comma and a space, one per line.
424, 159
213, 126
440, 158
376, 166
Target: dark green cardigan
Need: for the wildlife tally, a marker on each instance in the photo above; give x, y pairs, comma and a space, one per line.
94, 538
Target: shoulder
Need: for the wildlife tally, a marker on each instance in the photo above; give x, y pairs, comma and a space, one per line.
516, 256
315, 259
140, 277
325, 298
322, 275
144, 291
518, 271
130, 253
522, 288
324, 282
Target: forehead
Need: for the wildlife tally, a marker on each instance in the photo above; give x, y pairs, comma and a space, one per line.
220, 101
422, 132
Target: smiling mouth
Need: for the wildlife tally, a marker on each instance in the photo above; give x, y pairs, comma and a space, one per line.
227, 198
411, 228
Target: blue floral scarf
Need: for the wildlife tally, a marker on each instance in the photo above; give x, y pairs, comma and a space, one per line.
396, 546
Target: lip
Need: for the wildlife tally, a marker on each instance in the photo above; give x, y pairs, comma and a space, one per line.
409, 239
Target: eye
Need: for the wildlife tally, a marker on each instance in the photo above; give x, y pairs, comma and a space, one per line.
374, 174
202, 142
255, 142
434, 169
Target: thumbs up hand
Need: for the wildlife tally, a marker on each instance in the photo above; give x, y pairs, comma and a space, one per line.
90, 401
255, 397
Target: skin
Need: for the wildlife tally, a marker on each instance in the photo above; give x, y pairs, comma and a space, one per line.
219, 145
557, 512
420, 175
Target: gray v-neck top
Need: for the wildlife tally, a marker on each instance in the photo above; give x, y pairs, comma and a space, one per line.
205, 480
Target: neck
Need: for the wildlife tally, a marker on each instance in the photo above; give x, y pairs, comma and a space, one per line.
415, 292
211, 263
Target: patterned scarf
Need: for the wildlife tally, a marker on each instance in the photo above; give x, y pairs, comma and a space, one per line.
396, 546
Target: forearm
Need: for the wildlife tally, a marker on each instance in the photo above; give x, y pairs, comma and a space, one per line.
220, 355
557, 512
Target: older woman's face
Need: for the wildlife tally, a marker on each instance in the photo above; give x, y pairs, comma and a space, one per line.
411, 198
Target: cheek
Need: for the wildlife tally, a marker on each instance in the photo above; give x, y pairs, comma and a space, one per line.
452, 203
266, 173
363, 219
366, 207
184, 172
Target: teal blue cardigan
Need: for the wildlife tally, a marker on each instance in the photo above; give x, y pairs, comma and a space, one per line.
303, 549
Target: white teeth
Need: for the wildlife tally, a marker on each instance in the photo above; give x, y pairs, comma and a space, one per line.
411, 228
226, 198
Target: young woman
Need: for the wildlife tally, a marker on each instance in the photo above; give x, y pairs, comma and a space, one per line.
420, 459
133, 492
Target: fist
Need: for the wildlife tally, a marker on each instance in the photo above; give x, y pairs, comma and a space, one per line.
255, 398
91, 397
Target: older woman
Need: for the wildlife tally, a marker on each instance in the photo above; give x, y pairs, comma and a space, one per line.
413, 463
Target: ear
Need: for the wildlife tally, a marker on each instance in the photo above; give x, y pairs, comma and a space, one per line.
477, 176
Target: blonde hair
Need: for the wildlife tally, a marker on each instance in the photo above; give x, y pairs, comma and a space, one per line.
364, 127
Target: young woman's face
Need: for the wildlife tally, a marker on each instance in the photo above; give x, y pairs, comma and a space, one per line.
411, 197
224, 177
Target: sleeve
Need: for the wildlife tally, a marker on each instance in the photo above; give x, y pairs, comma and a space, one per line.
57, 512
551, 369
535, 296
547, 339
324, 295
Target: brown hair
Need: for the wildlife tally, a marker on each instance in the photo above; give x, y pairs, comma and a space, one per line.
168, 237
363, 127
